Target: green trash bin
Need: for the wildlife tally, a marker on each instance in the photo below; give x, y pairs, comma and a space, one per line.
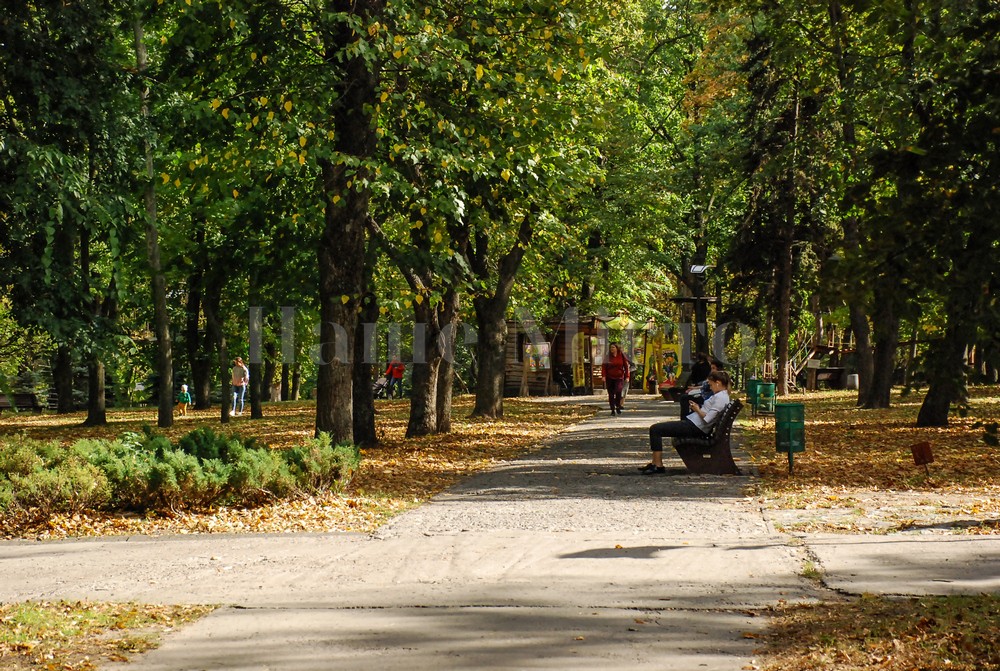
752, 385
765, 397
790, 427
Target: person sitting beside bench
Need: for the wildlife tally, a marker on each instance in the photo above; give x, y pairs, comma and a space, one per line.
697, 424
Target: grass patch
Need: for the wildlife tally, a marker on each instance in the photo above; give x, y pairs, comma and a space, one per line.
80, 636
957, 633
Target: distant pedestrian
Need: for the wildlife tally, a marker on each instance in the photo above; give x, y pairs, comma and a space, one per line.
394, 377
616, 374
241, 378
183, 401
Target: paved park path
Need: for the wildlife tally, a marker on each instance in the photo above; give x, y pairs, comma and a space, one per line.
566, 559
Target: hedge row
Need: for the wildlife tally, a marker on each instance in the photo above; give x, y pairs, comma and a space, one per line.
143, 472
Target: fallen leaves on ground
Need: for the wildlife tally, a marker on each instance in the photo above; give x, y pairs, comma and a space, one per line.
394, 476
857, 474
957, 633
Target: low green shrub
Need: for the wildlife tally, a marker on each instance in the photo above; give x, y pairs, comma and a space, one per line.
319, 465
144, 471
39, 479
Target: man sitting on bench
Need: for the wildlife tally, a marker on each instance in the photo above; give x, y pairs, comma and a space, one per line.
697, 424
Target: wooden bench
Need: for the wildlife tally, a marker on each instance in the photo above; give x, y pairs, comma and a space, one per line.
712, 455
20, 402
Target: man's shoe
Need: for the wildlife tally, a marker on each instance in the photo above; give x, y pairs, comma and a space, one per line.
652, 469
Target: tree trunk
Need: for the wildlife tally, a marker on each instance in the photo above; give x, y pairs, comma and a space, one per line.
424, 378
270, 369
96, 405
364, 400
256, 383
785, 295
448, 318
215, 334
62, 379
947, 364
490, 356
164, 355
286, 382
886, 340
490, 314
96, 402
341, 250
198, 345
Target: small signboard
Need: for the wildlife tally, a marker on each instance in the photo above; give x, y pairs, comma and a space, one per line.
922, 455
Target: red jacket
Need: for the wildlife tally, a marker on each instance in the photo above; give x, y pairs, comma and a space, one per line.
615, 367
395, 370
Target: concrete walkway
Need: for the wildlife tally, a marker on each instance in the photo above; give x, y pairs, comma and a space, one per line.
567, 559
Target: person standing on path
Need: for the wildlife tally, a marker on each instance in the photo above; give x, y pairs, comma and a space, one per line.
241, 378
615, 370
183, 401
394, 376
697, 424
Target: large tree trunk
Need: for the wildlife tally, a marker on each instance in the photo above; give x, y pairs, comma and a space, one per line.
96, 403
62, 379
164, 355
424, 378
886, 340
96, 406
947, 371
491, 349
448, 317
490, 316
341, 250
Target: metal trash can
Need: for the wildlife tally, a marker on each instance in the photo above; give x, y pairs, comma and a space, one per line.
752, 385
852, 381
790, 427
765, 397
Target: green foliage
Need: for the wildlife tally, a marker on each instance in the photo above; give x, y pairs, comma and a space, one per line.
140, 472
39, 479
318, 464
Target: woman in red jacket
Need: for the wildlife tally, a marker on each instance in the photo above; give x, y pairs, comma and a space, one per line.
615, 370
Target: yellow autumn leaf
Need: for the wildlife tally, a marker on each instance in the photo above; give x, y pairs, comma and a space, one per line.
302, 158
437, 237
288, 105
345, 299
558, 73
419, 299
336, 199
165, 176
302, 140
236, 194
407, 303
216, 103
506, 175
263, 101
253, 55
479, 72
177, 182
385, 96
225, 113
270, 116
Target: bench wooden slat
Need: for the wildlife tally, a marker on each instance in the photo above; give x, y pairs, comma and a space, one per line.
20, 401
712, 455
